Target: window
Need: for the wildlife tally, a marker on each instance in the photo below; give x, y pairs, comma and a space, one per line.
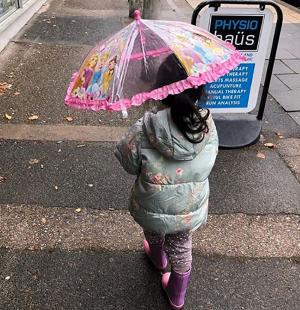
7, 6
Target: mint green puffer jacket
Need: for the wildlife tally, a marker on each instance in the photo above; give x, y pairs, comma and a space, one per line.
171, 191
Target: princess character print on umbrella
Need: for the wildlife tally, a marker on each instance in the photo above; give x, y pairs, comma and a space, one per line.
93, 91
85, 77
107, 76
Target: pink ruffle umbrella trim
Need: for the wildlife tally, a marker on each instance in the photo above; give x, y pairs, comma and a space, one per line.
214, 72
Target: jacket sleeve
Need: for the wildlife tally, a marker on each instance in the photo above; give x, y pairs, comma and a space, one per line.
128, 149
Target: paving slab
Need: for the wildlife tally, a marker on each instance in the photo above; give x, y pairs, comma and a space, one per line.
283, 53
41, 74
295, 50
125, 280
249, 184
291, 80
294, 64
276, 84
281, 68
295, 116
289, 99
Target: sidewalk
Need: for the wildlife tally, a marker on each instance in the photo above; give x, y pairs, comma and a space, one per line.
66, 238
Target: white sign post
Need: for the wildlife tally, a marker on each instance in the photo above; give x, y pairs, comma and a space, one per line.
248, 29
234, 95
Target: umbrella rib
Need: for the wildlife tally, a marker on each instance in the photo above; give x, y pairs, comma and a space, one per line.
167, 44
127, 51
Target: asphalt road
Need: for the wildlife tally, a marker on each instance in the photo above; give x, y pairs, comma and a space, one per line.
125, 280
88, 175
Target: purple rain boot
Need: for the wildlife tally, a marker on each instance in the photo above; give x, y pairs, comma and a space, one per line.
157, 255
175, 285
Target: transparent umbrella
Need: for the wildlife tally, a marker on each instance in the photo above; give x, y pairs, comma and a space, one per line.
124, 70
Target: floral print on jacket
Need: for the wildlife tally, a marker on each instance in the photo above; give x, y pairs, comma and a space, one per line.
171, 191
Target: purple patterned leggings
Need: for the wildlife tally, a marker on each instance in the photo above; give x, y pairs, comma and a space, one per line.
177, 246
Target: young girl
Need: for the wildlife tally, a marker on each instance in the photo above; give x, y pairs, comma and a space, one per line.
172, 152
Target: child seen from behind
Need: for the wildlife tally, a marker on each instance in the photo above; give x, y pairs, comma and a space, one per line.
172, 151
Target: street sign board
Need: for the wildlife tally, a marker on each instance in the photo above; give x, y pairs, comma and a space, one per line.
248, 29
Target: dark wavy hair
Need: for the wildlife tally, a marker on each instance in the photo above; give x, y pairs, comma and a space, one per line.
186, 113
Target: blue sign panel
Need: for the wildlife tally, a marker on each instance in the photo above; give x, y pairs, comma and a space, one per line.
232, 90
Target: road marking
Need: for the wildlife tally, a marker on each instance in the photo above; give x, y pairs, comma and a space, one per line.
234, 235
61, 132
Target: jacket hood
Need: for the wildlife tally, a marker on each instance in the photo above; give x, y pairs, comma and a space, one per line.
164, 136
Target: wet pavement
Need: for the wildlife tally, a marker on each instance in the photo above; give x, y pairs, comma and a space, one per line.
249, 195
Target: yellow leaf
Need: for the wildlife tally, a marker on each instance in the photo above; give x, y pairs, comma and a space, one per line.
3, 87
279, 135
78, 210
8, 116
33, 117
33, 161
69, 118
261, 155
269, 145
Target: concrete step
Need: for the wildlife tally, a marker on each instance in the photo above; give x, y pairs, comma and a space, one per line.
36, 228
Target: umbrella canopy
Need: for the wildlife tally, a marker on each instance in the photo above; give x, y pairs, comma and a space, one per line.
124, 70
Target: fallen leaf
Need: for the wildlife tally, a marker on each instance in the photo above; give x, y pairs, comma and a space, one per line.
33, 161
44, 221
4, 87
56, 187
78, 210
90, 185
42, 166
2, 179
81, 145
17, 93
7, 278
269, 145
8, 116
279, 135
33, 117
69, 118
261, 155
